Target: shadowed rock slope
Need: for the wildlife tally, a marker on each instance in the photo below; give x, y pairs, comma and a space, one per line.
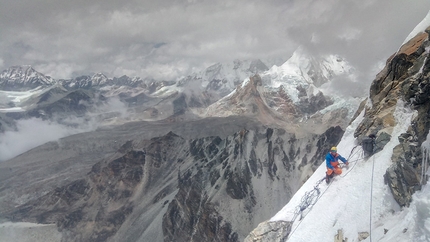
171, 188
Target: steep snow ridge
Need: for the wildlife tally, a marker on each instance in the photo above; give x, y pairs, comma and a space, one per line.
99, 79
419, 28
347, 202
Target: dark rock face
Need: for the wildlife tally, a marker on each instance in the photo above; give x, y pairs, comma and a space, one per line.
179, 105
329, 138
270, 231
72, 102
83, 209
314, 103
170, 189
405, 77
228, 172
192, 217
137, 100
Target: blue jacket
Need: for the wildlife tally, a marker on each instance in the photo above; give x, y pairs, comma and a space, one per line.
330, 158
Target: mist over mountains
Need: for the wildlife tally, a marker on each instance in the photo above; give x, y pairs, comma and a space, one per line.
205, 157
87, 102
232, 136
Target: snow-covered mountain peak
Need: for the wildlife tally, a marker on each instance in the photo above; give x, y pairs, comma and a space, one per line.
304, 70
19, 77
99, 79
291, 90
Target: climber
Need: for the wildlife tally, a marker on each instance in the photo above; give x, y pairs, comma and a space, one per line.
332, 164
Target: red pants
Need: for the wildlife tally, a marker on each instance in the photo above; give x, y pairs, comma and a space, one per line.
336, 169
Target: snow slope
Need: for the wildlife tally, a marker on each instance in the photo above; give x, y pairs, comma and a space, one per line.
358, 200
421, 27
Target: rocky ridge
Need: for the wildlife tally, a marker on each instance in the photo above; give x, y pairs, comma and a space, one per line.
19, 78
405, 78
404, 81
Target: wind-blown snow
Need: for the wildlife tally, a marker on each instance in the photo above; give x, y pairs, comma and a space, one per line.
421, 27
347, 203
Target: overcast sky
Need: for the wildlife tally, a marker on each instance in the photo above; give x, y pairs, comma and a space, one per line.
165, 39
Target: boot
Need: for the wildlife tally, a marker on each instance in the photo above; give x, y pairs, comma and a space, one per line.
327, 178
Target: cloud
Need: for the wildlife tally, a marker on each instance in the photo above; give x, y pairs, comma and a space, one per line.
165, 39
26, 137
13, 143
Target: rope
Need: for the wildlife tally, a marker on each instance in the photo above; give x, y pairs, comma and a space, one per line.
308, 201
311, 197
371, 199
353, 161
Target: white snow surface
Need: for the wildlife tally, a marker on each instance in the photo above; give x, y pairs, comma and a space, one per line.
358, 200
421, 27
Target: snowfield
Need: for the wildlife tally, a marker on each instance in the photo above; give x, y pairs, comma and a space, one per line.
358, 200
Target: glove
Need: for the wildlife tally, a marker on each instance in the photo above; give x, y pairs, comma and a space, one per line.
347, 163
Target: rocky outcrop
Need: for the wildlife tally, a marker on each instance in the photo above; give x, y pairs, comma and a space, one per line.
314, 103
191, 216
405, 77
270, 231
